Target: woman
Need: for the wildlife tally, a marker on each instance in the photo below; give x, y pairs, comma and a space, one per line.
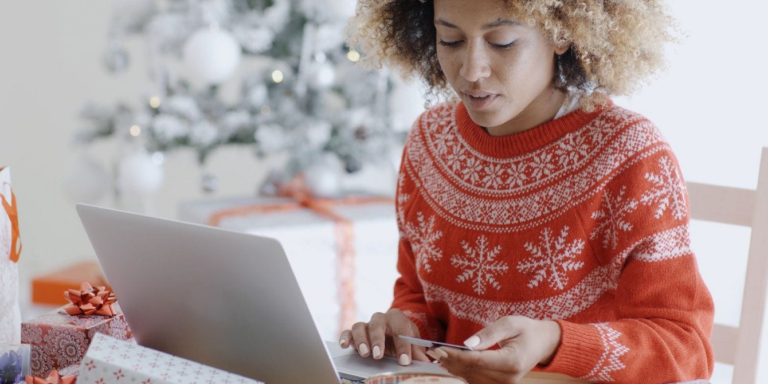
541, 225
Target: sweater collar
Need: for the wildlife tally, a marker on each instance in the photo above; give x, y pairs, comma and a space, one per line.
524, 142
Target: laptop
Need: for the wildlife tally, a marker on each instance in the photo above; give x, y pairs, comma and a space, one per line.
221, 298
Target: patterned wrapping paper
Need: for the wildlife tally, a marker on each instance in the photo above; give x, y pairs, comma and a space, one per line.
113, 361
338, 290
59, 340
10, 248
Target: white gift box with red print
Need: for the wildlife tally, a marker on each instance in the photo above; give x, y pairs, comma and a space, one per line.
109, 360
341, 284
10, 248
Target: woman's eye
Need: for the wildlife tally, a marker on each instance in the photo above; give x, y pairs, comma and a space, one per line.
503, 46
456, 43
449, 43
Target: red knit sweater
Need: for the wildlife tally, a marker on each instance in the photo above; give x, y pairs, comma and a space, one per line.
583, 219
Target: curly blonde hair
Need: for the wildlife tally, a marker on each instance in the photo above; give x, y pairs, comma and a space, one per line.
615, 45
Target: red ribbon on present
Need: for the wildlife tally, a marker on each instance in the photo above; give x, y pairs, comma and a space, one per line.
53, 378
344, 232
90, 301
13, 214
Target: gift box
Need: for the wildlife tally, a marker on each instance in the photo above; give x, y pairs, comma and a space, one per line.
47, 289
10, 249
60, 340
342, 251
113, 361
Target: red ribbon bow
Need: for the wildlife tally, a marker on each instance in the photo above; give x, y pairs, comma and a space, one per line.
53, 378
90, 301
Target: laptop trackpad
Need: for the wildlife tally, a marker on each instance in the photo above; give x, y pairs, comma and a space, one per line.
355, 367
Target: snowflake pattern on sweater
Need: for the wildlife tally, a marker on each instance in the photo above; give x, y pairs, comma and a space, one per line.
582, 220
479, 265
551, 260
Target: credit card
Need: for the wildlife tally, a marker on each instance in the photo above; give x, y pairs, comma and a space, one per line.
432, 344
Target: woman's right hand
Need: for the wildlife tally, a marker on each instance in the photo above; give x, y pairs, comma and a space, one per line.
380, 336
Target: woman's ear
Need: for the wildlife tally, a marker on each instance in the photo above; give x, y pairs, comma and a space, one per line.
561, 49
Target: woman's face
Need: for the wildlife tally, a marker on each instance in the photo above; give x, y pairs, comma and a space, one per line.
484, 52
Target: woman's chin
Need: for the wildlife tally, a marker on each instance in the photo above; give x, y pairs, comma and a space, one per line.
489, 119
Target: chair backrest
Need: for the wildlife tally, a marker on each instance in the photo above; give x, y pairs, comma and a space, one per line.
740, 346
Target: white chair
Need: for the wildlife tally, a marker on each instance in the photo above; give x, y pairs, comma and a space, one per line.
740, 346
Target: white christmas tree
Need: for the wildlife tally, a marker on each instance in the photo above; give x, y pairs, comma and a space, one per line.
309, 99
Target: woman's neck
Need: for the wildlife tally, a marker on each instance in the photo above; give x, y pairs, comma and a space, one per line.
539, 111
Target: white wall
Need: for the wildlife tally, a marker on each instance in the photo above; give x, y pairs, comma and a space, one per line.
708, 105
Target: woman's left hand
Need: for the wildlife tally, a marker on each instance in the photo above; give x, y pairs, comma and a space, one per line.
524, 344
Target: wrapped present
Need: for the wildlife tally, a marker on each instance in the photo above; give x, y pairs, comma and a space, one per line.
343, 251
10, 249
55, 377
47, 289
60, 338
113, 361
14, 363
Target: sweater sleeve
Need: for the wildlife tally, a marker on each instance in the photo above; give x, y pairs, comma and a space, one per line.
409, 294
664, 312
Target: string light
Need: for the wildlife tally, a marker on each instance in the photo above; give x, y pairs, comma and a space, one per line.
135, 131
277, 76
353, 55
154, 102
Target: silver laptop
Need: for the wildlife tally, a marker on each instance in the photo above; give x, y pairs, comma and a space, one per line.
221, 298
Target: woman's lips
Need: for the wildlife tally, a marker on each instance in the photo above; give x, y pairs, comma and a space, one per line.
479, 103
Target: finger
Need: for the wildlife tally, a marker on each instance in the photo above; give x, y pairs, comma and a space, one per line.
474, 375
434, 355
419, 353
377, 329
505, 328
399, 324
465, 364
360, 336
497, 360
345, 339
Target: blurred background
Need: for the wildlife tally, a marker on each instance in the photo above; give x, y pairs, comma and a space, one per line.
166, 107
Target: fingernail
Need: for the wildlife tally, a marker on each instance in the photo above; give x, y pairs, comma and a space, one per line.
441, 353
376, 351
434, 355
404, 359
342, 342
472, 342
363, 350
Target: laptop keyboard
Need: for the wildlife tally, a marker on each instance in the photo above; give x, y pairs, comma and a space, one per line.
348, 381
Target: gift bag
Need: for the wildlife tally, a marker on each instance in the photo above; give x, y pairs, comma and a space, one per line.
10, 248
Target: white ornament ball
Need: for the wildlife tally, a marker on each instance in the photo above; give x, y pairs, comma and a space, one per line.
139, 175
211, 55
323, 177
86, 181
116, 59
322, 76
258, 95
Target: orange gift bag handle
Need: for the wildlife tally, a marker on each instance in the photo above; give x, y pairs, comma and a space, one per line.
13, 214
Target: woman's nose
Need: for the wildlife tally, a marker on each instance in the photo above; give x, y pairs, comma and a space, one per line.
475, 65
